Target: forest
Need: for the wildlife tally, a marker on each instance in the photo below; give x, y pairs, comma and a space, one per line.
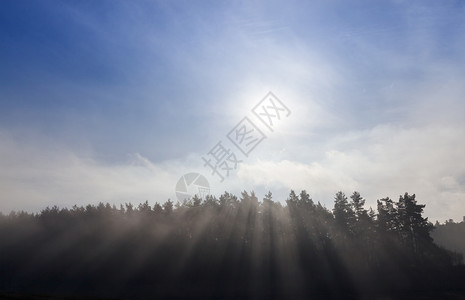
450, 235
232, 247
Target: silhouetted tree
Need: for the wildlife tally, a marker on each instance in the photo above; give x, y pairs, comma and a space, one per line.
168, 207
344, 215
415, 230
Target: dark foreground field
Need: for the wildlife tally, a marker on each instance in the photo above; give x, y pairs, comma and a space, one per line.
400, 296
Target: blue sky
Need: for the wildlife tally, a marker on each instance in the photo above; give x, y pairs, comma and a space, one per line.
115, 100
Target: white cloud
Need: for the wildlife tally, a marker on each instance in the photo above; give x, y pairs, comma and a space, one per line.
295, 175
385, 161
33, 176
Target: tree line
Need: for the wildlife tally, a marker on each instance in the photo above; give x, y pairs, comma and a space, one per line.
450, 235
231, 247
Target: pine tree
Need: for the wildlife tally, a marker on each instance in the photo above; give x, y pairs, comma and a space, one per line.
168, 207
414, 228
196, 201
344, 215
387, 216
157, 208
357, 203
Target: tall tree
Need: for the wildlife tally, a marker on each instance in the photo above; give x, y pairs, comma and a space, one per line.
387, 215
168, 207
344, 215
357, 203
414, 228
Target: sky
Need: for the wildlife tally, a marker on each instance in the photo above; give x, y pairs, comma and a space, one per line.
114, 101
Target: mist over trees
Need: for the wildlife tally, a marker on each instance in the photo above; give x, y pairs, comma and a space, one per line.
450, 235
229, 247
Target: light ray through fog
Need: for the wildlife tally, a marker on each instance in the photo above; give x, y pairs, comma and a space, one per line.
110, 104
245, 246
